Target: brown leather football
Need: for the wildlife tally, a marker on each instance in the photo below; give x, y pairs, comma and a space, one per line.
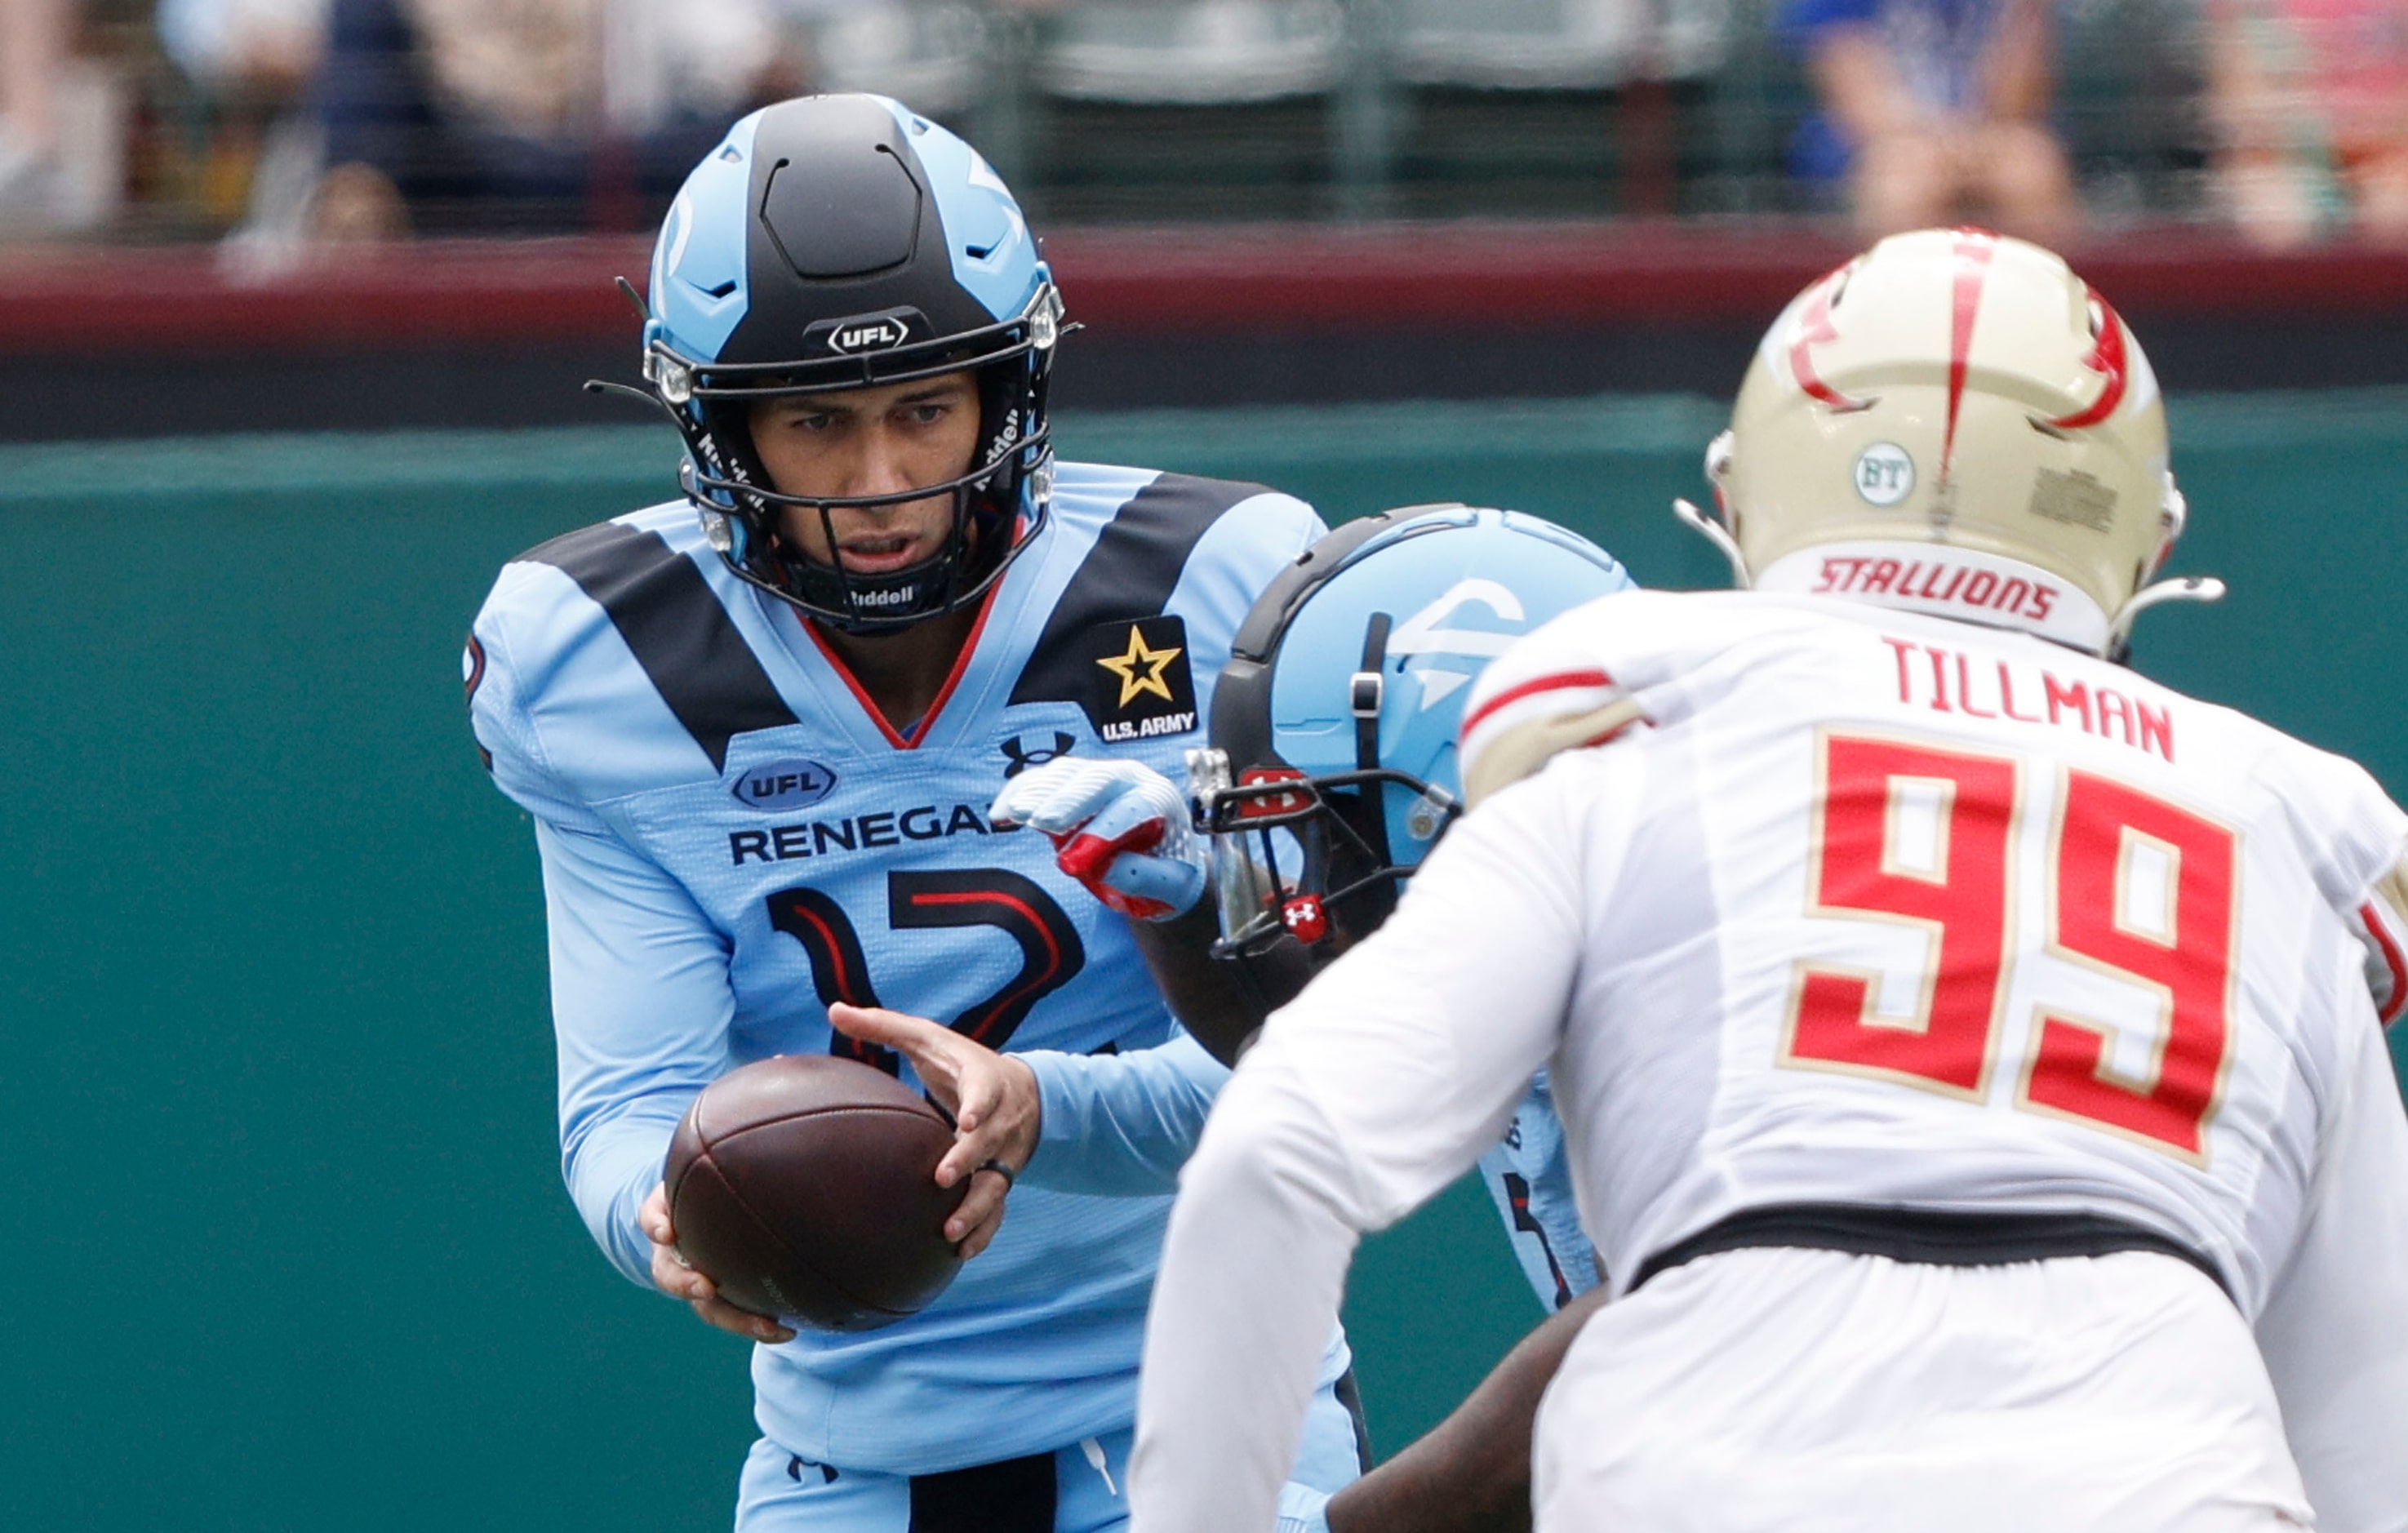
805, 1187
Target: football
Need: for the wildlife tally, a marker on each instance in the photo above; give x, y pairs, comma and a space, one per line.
805, 1187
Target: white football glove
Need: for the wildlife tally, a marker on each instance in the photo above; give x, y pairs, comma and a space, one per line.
1119, 827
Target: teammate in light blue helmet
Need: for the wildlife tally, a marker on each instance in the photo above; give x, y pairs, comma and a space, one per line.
1333, 771
1331, 774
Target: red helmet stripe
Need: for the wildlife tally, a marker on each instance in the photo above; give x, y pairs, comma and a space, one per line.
1974, 247
2108, 358
1814, 327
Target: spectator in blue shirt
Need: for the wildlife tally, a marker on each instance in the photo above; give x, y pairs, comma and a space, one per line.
1935, 113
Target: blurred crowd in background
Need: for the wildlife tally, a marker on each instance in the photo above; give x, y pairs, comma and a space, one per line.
280, 124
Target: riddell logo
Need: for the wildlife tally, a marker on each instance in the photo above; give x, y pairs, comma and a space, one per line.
868, 336
720, 465
1005, 440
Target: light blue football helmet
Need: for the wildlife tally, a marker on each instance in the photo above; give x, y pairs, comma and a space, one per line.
1332, 767
846, 242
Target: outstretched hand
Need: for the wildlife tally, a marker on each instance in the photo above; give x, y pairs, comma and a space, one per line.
995, 1103
1118, 826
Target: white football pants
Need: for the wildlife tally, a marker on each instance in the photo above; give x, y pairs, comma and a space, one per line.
1805, 1391
783, 1493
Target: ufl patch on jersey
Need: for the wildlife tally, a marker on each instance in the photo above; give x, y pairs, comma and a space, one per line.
1142, 686
790, 784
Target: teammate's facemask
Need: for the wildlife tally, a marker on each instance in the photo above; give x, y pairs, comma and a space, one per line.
1332, 767
925, 268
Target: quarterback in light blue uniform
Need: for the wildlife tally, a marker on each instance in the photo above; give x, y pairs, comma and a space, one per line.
759, 730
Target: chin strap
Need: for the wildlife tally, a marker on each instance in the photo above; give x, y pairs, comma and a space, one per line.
2188, 588
1365, 691
1719, 535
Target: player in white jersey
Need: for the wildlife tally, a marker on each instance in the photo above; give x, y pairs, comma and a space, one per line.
1970, 1051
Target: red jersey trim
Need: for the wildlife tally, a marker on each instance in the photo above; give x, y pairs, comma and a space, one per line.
2392, 959
1531, 688
944, 694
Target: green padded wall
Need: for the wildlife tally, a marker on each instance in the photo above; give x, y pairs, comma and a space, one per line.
292, 1251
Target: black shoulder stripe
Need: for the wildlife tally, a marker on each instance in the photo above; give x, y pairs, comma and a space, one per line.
1129, 573
681, 635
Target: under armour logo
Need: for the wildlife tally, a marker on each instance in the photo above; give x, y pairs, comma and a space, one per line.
796, 1464
1022, 758
1305, 918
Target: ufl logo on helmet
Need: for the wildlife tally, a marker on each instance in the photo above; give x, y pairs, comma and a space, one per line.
860, 333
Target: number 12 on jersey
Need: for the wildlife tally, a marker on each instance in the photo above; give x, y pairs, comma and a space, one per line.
1051, 954
2138, 889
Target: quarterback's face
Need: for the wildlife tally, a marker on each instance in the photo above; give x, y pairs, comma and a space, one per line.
877, 442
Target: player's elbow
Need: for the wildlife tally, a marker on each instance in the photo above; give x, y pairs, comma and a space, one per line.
609, 1165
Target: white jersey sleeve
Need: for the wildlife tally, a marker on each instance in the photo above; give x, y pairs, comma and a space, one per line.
2335, 1332
1368, 1094
2378, 915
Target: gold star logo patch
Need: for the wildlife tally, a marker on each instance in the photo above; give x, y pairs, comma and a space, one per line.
1141, 670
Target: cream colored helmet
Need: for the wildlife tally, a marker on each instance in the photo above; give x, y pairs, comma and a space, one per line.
1956, 423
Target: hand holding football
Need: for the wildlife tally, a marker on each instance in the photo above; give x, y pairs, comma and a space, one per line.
805, 1186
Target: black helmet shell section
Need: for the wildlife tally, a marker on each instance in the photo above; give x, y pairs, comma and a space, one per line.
1347, 856
850, 279
1241, 698
846, 232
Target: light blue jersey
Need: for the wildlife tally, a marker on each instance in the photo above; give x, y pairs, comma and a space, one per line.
1530, 1178
1122, 1126
732, 839
1126, 1126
